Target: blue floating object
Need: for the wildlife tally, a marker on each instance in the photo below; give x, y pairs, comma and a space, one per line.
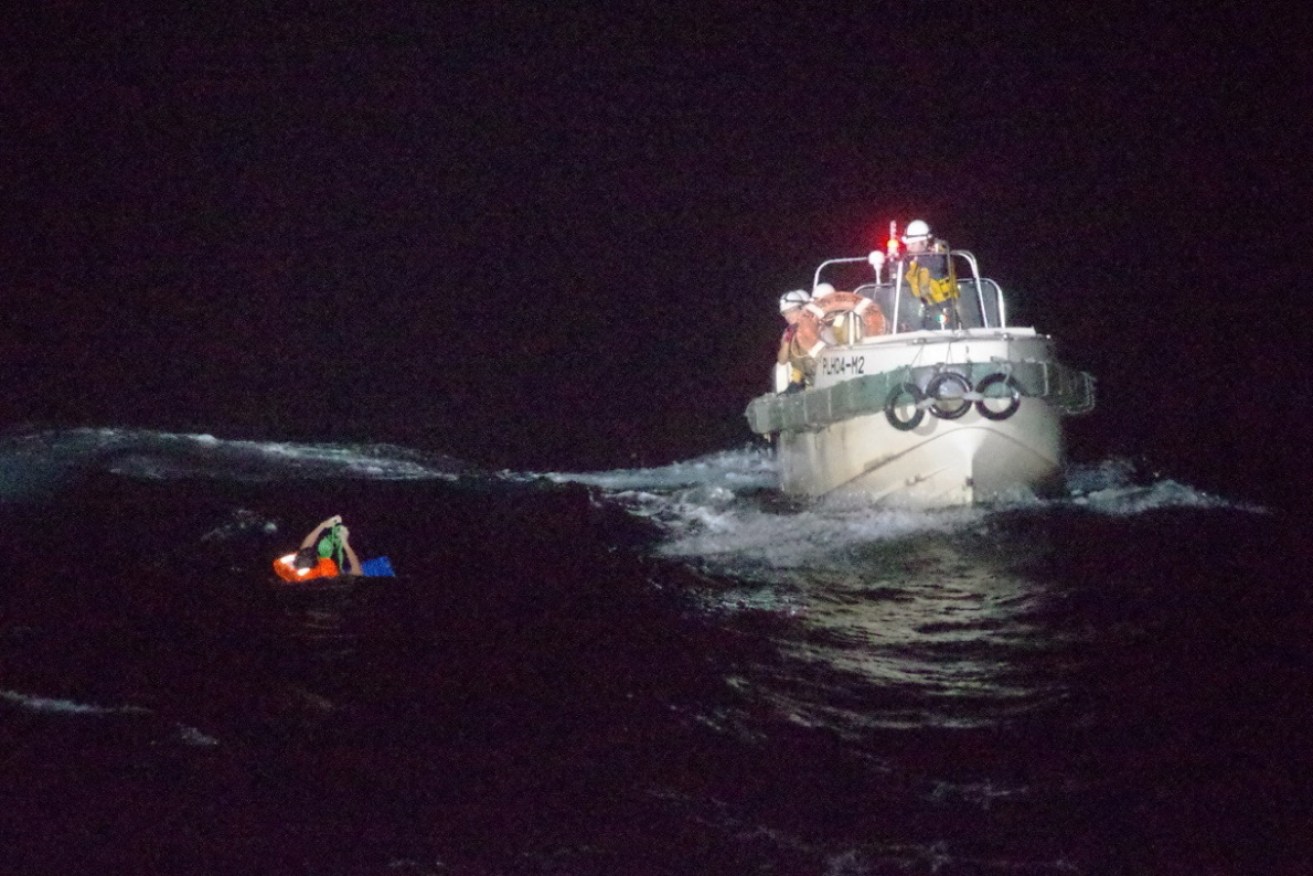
378, 567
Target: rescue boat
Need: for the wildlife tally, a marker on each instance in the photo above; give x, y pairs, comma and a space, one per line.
900, 414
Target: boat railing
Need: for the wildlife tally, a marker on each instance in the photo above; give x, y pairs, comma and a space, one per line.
829, 263
981, 302
980, 299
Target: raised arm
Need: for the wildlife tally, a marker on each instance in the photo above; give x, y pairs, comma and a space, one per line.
313, 536
352, 561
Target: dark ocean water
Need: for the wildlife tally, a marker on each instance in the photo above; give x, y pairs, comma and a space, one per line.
651, 671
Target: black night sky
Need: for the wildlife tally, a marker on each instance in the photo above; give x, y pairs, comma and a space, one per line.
537, 235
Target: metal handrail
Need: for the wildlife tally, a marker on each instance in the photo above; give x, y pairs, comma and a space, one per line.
816, 278
897, 286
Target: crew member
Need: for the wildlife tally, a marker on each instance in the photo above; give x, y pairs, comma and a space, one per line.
791, 352
928, 272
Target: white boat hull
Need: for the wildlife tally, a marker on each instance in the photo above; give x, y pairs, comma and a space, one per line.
940, 463
838, 439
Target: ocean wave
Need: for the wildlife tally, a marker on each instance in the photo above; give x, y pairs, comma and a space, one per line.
746, 468
34, 703
183, 733
37, 462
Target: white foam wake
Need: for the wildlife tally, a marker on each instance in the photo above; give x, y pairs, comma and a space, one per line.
724, 508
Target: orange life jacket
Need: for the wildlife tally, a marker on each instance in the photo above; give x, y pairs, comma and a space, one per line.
286, 569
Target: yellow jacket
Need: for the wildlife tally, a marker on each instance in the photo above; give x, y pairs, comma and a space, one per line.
930, 276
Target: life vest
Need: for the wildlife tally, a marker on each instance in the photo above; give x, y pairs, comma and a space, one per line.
823, 311
289, 569
930, 276
792, 356
786, 343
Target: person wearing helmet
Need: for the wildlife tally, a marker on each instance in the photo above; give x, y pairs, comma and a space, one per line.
791, 305
928, 273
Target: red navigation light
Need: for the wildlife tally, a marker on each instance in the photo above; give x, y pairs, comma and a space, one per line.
891, 247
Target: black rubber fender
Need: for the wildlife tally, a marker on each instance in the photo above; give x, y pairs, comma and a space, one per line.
894, 399
988, 382
937, 383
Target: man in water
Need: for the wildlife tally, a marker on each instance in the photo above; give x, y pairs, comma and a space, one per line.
325, 552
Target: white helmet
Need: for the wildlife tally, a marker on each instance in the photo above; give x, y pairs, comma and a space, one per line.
821, 290
792, 300
916, 230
